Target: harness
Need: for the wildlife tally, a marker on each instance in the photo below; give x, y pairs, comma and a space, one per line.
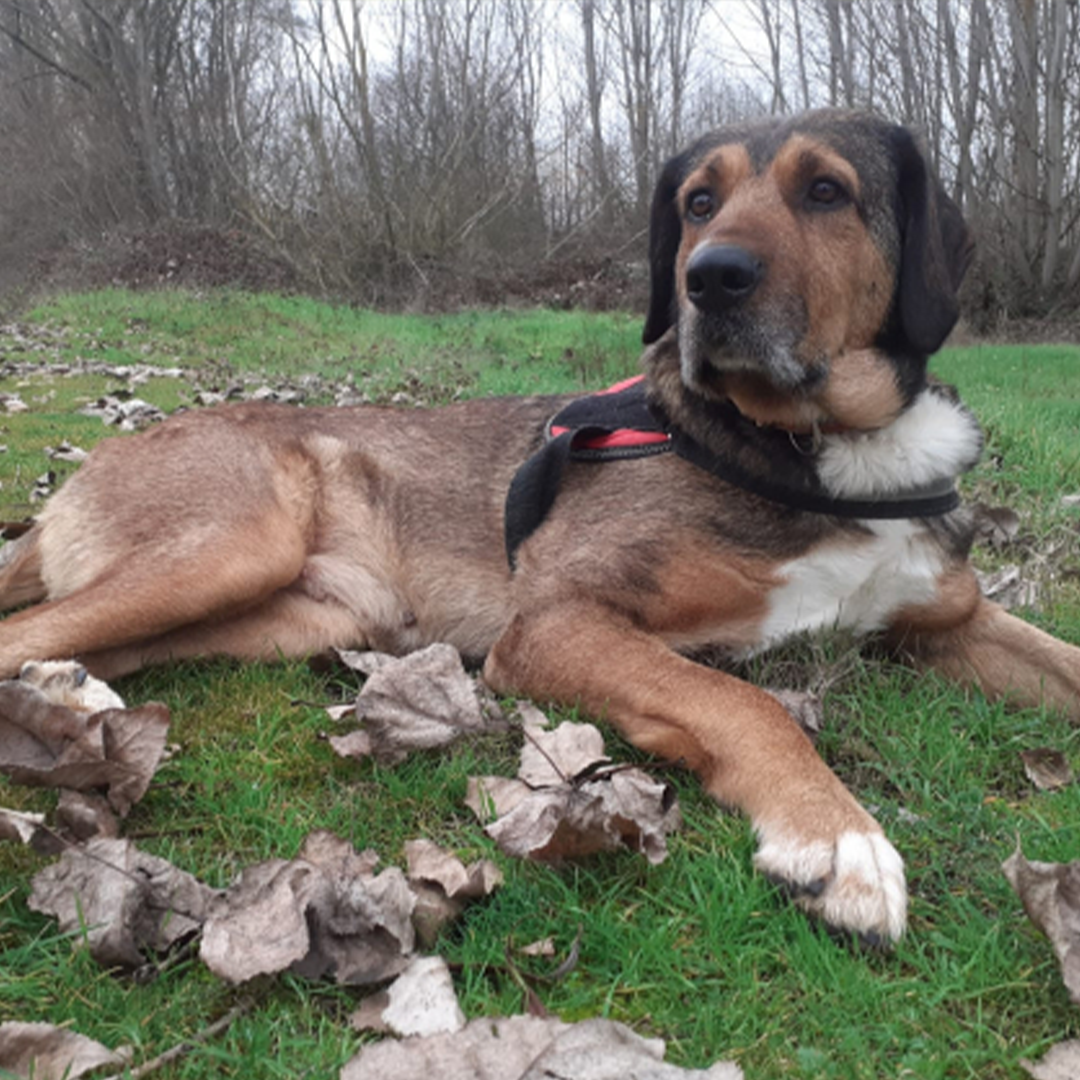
621, 423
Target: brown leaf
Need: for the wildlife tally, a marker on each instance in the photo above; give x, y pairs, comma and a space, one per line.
421, 1001
527, 1048
1047, 769
1050, 893
442, 885
319, 914
551, 757
20, 827
82, 815
624, 807
416, 702
806, 708
1009, 588
120, 901
47, 1052
1060, 1062
48, 745
995, 526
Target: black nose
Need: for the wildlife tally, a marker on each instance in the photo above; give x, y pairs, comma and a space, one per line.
719, 277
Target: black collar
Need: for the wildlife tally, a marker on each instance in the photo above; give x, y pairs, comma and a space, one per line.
767, 462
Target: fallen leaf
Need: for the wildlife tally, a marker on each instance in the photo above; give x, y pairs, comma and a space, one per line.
1047, 769
527, 1048
542, 947
552, 757
119, 901
443, 885
415, 702
591, 810
66, 452
47, 1052
1008, 587
1050, 893
132, 414
18, 826
995, 526
421, 1001
48, 745
1060, 1062
322, 913
806, 708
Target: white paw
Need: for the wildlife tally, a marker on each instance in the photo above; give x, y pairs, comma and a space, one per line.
855, 884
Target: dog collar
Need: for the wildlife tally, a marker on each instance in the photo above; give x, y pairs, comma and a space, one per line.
621, 423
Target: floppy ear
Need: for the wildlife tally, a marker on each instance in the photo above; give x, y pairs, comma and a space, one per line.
935, 251
665, 232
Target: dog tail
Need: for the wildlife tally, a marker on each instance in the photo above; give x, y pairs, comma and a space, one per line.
20, 571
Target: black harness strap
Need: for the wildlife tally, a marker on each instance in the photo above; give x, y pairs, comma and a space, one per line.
620, 424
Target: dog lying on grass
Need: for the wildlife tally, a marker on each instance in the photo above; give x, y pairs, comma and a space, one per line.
785, 465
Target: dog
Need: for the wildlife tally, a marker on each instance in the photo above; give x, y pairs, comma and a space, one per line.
797, 472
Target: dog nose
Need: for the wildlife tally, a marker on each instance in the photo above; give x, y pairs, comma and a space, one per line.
718, 277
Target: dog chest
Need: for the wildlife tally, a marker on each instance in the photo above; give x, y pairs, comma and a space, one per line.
857, 584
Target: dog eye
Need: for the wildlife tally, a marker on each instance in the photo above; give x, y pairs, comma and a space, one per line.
825, 192
700, 205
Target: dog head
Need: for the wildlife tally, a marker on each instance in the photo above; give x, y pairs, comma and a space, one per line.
810, 265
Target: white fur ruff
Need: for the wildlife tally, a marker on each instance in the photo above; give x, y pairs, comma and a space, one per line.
933, 440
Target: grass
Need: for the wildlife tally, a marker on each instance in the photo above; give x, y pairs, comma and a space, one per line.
699, 950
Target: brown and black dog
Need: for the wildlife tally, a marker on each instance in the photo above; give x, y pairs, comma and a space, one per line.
802, 272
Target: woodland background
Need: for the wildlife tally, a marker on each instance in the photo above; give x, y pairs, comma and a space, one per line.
426, 153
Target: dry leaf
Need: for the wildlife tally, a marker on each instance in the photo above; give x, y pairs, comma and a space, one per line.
48, 745
323, 913
120, 901
415, 702
1008, 587
47, 1052
622, 808
421, 1001
551, 819
81, 815
1047, 769
443, 884
20, 827
1050, 893
551, 757
527, 1048
806, 708
995, 526
1060, 1062
543, 947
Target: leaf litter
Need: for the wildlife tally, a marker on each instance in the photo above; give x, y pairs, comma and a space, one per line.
569, 800
327, 913
47, 1052
1050, 893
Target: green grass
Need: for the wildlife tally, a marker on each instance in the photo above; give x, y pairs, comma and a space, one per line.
698, 950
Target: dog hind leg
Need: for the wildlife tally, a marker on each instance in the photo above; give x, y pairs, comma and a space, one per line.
20, 572
288, 624
148, 592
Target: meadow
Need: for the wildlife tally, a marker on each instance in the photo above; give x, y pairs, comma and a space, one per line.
698, 950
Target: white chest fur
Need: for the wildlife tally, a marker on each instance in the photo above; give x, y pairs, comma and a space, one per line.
858, 583
861, 582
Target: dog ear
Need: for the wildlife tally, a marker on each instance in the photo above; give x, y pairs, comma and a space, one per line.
665, 234
935, 251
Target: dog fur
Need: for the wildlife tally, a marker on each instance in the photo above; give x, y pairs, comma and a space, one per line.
803, 270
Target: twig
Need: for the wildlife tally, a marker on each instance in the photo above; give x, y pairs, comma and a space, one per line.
170, 1055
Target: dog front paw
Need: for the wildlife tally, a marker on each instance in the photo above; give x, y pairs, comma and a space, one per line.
854, 884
